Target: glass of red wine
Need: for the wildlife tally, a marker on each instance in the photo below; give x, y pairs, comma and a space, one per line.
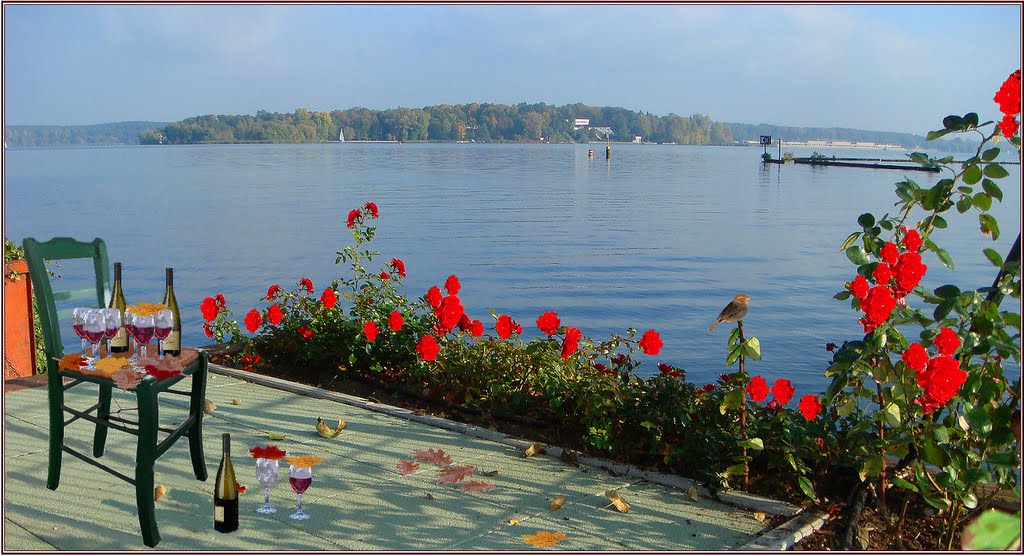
300, 478
78, 323
95, 328
163, 321
142, 331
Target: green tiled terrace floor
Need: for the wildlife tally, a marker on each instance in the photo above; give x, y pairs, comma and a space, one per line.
358, 500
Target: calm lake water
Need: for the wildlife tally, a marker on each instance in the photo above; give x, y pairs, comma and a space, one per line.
658, 237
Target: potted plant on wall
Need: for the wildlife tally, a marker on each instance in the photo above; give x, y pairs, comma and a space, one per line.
19, 315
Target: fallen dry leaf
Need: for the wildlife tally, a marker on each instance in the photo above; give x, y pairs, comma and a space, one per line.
236, 401
570, 457
437, 457
557, 503
760, 516
453, 475
126, 378
428, 496
241, 488
275, 436
476, 486
544, 538
513, 521
692, 493
405, 466
159, 492
489, 473
617, 501
533, 449
210, 407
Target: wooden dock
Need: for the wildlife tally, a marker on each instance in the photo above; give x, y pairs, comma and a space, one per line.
857, 163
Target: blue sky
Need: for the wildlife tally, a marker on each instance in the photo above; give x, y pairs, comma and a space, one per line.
892, 68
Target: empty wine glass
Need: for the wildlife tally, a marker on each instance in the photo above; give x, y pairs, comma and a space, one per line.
266, 473
163, 321
112, 323
142, 331
95, 328
129, 327
300, 478
78, 323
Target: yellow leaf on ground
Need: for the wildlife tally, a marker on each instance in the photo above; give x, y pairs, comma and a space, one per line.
236, 401
692, 493
533, 449
209, 407
544, 538
760, 516
513, 521
557, 503
159, 492
617, 501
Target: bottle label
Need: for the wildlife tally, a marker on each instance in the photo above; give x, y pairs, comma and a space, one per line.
218, 514
173, 342
120, 340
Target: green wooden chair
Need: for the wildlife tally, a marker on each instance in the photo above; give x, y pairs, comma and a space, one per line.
147, 427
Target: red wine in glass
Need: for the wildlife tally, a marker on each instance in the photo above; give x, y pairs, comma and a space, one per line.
80, 330
300, 485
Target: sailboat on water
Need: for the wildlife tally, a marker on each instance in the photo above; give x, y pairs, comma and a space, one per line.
341, 136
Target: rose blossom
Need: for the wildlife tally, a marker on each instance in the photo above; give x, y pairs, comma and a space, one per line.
274, 315
912, 241
209, 309
352, 215
476, 329
329, 298
427, 348
783, 391
370, 330
758, 389
372, 207
859, 287
571, 343
650, 343
395, 321
946, 342
398, 265
273, 291
809, 406
505, 326
305, 332
253, 320
548, 323
916, 357
890, 253
452, 285
434, 297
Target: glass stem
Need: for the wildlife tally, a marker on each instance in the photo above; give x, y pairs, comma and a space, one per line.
300, 502
142, 350
83, 348
96, 350
266, 497
160, 348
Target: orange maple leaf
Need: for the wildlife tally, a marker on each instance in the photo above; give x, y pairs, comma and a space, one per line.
455, 474
437, 457
544, 538
476, 486
405, 466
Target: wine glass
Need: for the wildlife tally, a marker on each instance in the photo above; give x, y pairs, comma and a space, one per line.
112, 322
95, 328
142, 331
78, 323
300, 478
163, 321
129, 327
266, 473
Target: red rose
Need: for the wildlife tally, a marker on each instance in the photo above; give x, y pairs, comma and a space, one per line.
1009, 126
909, 271
831, 346
307, 283
664, 368
452, 285
941, 380
859, 286
272, 291
548, 323
912, 241
946, 342
571, 343
206, 330
450, 312
221, 302
253, 320
305, 332
758, 389
650, 343
783, 391
352, 215
434, 297
398, 265
877, 306
384, 276
209, 309
395, 321
505, 326
370, 330
427, 348
708, 387
274, 315
916, 357
329, 298
603, 369
1008, 96
882, 274
890, 253
476, 329
372, 207
809, 406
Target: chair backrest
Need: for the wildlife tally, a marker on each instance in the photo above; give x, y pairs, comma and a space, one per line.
62, 248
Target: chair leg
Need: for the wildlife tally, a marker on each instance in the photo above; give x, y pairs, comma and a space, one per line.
55, 387
145, 457
100, 437
195, 433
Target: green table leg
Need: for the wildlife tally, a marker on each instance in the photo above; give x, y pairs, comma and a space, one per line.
55, 385
149, 419
100, 438
195, 408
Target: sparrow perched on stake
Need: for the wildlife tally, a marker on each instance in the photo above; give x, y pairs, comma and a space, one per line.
734, 311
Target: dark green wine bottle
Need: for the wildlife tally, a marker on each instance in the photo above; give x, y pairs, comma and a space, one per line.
225, 493
119, 343
172, 345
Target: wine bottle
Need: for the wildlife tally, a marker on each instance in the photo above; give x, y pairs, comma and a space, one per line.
225, 493
119, 343
172, 345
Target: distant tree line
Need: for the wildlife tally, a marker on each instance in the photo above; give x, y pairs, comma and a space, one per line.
118, 133
752, 132
484, 122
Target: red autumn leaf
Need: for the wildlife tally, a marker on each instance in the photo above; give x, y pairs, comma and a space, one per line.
241, 488
126, 378
454, 475
476, 486
437, 457
406, 467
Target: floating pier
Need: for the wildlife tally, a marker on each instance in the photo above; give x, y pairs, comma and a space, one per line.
856, 163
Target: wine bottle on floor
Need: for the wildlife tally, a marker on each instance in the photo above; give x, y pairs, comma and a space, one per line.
225, 493
119, 343
172, 345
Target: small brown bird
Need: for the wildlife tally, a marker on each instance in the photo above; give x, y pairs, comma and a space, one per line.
734, 311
